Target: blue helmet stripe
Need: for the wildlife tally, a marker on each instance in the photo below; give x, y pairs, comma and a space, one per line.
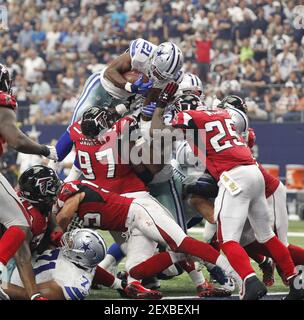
192, 81
172, 59
133, 47
70, 293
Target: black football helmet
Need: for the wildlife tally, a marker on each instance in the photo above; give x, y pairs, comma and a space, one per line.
188, 102
5, 79
96, 119
40, 185
235, 102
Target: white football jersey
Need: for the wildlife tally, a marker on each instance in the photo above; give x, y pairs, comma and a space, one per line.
141, 52
51, 265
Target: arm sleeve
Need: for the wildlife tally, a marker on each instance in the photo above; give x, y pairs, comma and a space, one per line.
64, 146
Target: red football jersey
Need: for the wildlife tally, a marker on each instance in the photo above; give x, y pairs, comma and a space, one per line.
224, 148
6, 101
100, 159
38, 223
100, 208
271, 183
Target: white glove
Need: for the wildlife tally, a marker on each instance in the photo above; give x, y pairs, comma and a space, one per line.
53, 153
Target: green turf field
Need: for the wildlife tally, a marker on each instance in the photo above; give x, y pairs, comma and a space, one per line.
182, 286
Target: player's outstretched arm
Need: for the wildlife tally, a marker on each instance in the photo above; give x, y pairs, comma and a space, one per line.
162, 102
117, 68
50, 290
17, 139
66, 213
24, 264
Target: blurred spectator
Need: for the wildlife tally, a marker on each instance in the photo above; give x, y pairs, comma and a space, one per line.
287, 62
34, 66
48, 106
119, 17
246, 52
287, 102
259, 44
40, 89
72, 39
203, 47
25, 36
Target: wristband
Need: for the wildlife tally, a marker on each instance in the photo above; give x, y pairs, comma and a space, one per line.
128, 87
45, 151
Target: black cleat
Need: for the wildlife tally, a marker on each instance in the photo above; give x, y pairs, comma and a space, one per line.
296, 288
253, 289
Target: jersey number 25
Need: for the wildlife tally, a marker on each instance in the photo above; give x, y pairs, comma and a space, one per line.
230, 131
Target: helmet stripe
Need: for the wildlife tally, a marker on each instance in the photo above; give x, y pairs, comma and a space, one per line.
172, 61
192, 81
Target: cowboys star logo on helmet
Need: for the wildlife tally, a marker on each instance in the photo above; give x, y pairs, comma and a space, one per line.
44, 185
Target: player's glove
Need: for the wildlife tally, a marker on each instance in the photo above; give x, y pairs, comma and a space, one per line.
148, 110
55, 237
166, 95
138, 86
50, 152
38, 296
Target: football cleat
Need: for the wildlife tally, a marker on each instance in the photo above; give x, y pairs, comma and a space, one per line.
209, 290
151, 283
253, 289
135, 290
296, 289
267, 268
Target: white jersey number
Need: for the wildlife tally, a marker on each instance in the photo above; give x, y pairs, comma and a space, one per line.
86, 163
215, 141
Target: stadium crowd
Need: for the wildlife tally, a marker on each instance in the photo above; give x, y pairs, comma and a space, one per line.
250, 48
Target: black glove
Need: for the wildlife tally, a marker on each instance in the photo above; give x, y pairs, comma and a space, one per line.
166, 95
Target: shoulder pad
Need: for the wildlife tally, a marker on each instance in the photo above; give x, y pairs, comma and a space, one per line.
7, 101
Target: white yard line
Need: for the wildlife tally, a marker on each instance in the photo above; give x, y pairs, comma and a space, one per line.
290, 234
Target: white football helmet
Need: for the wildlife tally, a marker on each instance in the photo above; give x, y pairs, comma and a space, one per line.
84, 247
166, 61
191, 84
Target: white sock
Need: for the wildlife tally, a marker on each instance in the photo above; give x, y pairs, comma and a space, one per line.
107, 262
197, 277
223, 263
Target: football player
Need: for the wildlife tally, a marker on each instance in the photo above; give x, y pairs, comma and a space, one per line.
241, 192
275, 193
64, 273
12, 214
108, 88
145, 224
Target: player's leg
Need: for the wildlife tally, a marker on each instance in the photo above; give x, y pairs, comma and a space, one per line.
159, 227
169, 194
259, 220
139, 248
15, 240
14, 219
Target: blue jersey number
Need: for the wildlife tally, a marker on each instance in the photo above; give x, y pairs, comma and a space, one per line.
146, 49
47, 257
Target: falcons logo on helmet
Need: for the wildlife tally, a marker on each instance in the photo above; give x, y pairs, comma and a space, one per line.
45, 186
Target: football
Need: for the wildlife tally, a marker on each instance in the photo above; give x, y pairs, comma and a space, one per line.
133, 75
